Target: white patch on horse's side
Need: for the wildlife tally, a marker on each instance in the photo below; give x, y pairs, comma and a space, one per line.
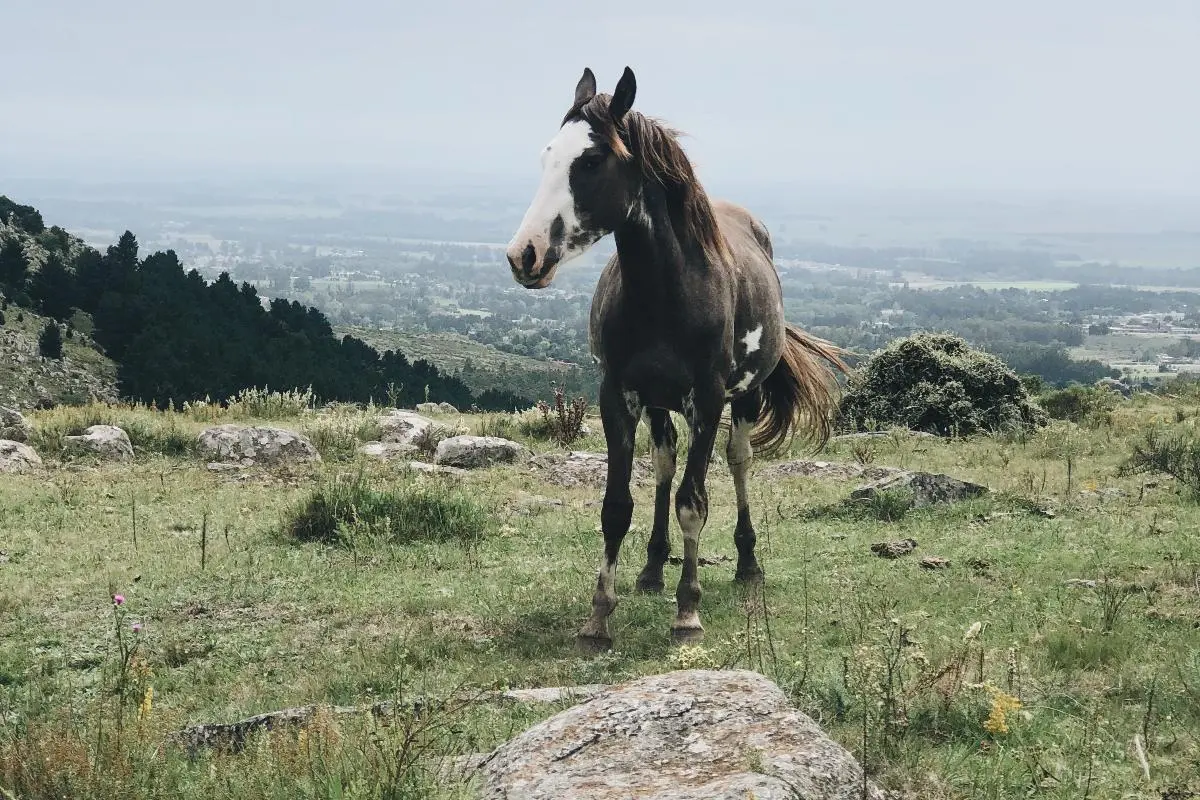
745, 382
752, 338
553, 197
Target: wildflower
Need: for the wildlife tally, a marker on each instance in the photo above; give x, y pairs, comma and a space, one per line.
118, 599
137, 627
147, 703
1002, 705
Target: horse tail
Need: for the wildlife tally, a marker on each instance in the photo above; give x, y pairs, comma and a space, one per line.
802, 385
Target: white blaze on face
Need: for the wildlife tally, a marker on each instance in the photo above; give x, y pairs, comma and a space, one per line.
553, 197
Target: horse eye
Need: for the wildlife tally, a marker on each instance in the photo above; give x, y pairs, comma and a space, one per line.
591, 160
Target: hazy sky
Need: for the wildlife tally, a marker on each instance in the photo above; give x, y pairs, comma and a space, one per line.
1045, 94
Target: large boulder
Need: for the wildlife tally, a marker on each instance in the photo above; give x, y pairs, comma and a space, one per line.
106, 442
582, 468
13, 426
472, 452
927, 488
255, 445
686, 735
389, 450
17, 457
400, 426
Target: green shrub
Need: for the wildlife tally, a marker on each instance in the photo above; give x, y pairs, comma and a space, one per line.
938, 384
50, 341
348, 508
1175, 455
1079, 404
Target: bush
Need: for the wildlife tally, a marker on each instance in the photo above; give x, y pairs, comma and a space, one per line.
50, 343
563, 422
1175, 455
1079, 404
938, 384
347, 508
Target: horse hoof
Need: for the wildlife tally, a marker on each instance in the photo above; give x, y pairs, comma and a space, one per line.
592, 645
646, 585
748, 577
687, 635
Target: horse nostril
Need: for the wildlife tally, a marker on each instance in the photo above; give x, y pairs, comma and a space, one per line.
528, 257
512, 262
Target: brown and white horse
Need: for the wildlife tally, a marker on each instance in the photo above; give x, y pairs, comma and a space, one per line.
687, 316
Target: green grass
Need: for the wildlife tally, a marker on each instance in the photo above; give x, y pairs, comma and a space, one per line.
446, 351
271, 623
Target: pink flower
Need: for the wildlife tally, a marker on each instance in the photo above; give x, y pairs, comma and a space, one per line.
137, 627
118, 599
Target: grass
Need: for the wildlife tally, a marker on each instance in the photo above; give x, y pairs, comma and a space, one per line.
992, 678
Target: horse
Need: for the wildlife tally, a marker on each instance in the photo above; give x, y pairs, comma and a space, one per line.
687, 316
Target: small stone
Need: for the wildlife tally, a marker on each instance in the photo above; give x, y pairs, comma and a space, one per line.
107, 442
933, 562
894, 549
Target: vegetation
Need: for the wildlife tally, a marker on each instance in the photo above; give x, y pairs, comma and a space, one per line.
1065, 625
1079, 404
50, 343
938, 384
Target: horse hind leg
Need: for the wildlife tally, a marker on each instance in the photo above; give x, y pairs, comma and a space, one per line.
663, 440
738, 454
691, 509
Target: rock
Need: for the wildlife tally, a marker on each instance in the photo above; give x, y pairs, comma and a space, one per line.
581, 468
428, 408
472, 452
446, 408
850, 437
389, 450
13, 426
927, 488
17, 457
1080, 583
554, 694
828, 469
107, 442
894, 549
933, 562
685, 735
434, 469
255, 445
535, 503
401, 427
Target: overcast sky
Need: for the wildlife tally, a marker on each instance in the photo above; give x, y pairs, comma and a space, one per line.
1038, 94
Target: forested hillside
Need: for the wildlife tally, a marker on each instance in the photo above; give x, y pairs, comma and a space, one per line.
175, 336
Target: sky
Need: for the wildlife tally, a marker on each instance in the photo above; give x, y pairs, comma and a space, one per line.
1060, 95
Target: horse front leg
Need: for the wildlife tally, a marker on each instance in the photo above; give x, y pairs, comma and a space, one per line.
691, 509
662, 453
619, 414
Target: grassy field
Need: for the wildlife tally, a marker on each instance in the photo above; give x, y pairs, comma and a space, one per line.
446, 351
995, 677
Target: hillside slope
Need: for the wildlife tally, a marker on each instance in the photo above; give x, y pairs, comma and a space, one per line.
28, 380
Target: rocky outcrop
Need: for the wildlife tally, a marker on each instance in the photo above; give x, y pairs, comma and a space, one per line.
255, 445
686, 735
105, 442
436, 408
834, 470
17, 457
13, 426
473, 452
927, 488
389, 450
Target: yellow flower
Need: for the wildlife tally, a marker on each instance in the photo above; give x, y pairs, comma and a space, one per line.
1002, 705
146, 704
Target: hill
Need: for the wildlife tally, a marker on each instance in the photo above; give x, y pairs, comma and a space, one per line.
175, 337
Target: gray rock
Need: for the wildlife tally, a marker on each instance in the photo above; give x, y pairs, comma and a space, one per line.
472, 452
686, 735
828, 469
446, 408
581, 468
389, 450
255, 445
106, 442
927, 488
17, 457
894, 549
428, 408
434, 469
13, 426
401, 427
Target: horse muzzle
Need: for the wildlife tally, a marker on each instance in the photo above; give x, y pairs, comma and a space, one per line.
533, 266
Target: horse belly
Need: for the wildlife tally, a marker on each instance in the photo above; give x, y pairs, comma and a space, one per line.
659, 378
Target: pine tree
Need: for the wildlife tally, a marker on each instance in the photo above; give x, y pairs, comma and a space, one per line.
53, 288
50, 343
14, 264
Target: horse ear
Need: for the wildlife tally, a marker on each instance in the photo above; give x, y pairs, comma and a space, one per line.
585, 90
623, 96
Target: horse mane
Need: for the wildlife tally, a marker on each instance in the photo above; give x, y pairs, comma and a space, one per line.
654, 148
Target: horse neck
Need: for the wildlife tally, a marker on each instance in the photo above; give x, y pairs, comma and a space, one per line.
655, 249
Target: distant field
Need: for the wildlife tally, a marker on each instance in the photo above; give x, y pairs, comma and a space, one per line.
447, 351
1123, 347
1030, 286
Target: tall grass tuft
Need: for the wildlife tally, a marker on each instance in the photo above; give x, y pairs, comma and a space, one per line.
150, 431
347, 509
